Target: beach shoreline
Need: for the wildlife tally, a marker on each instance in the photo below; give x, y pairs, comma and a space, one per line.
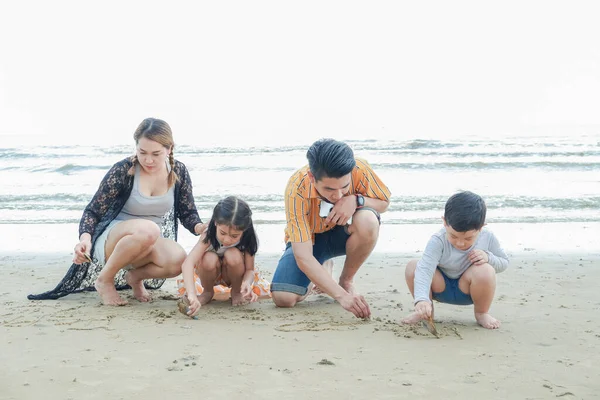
75, 348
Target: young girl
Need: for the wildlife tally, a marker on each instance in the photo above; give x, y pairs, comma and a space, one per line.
223, 259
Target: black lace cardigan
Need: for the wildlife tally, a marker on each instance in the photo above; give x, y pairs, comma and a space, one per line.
113, 192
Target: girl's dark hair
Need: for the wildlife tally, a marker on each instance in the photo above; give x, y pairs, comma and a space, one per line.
330, 158
234, 213
465, 211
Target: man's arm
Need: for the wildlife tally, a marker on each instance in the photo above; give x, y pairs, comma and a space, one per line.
303, 252
380, 206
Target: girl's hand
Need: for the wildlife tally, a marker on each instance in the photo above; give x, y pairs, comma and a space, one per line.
194, 305
246, 291
82, 251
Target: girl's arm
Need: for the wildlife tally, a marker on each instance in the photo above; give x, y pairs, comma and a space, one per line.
189, 264
249, 274
248, 279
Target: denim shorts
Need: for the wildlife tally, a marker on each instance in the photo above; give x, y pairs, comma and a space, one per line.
452, 294
289, 278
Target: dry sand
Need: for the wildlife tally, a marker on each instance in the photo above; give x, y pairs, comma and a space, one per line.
74, 348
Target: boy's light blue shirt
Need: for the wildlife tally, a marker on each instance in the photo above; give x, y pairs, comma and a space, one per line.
452, 261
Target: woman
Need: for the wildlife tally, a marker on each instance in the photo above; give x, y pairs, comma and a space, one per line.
128, 231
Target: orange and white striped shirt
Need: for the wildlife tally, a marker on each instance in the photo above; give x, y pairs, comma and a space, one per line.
302, 201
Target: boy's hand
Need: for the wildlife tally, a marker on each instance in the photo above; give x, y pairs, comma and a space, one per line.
423, 309
478, 257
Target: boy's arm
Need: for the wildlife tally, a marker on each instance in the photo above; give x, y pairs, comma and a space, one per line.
426, 268
497, 258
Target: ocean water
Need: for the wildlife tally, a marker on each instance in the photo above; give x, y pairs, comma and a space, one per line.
523, 180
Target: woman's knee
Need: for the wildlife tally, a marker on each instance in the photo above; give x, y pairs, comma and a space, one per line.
147, 233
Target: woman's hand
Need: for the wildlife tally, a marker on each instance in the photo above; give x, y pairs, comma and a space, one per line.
82, 250
247, 292
200, 228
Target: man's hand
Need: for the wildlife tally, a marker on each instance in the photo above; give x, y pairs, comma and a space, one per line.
478, 257
342, 211
356, 304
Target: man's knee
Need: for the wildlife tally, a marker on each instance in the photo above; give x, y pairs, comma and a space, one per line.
285, 299
366, 225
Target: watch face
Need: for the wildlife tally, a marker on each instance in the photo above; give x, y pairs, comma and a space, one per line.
360, 200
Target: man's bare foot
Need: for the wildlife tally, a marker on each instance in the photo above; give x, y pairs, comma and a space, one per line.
139, 291
348, 287
237, 299
108, 294
328, 266
206, 297
487, 321
412, 318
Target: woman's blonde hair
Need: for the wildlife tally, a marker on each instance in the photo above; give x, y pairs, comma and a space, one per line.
159, 131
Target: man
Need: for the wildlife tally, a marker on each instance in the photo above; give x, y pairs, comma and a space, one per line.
320, 200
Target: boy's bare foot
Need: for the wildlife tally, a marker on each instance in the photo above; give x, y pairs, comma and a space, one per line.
412, 318
238, 300
206, 297
139, 291
487, 321
108, 294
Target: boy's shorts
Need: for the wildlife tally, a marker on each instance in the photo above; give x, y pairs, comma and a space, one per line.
452, 294
289, 278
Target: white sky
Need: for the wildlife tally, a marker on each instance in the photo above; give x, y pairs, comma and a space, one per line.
259, 72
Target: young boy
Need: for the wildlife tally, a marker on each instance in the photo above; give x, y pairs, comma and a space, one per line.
459, 264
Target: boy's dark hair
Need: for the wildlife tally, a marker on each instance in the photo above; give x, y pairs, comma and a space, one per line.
465, 211
330, 158
235, 213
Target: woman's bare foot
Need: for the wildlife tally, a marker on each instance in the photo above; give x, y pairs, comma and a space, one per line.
139, 291
206, 297
108, 294
412, 318
487, 321
238, 300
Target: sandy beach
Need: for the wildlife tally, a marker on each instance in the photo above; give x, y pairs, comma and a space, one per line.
75, 348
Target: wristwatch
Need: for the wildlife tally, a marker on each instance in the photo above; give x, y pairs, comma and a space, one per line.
360, 200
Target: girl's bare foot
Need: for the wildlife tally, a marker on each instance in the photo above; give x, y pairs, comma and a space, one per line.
238, 300
139, 291
206, 297
108, 294
487, 321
